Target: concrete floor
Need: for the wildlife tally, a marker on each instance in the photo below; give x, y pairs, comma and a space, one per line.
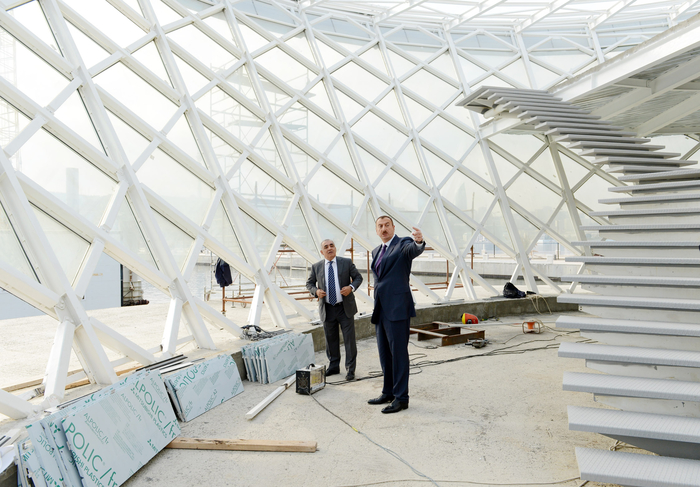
495, 420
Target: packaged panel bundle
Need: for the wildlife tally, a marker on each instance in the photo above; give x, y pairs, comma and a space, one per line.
201, 387
278, 357
103, 439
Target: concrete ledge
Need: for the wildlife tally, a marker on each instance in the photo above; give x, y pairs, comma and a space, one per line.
451, 312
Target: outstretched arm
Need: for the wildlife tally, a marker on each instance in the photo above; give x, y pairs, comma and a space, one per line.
417, 248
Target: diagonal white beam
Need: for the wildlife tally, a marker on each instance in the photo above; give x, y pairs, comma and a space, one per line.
482, 7
609, 13
536, 17
683, 109
682, 8
398, 10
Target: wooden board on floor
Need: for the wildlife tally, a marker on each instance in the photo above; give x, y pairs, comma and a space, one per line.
243, 445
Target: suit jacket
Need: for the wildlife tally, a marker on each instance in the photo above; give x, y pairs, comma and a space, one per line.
392, 290
347, 274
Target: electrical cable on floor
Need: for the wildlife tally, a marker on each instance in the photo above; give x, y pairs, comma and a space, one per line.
556, 482
389, 451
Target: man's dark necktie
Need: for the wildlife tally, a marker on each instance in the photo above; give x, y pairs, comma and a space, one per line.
331, 284
379, 260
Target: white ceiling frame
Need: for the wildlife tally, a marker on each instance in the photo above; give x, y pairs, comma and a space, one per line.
682, 8
667, 117
482, 7
542, 14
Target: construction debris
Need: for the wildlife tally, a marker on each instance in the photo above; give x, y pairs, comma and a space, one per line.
449, 334
197, 389
243, 445
104, 438
275, 358
265, 402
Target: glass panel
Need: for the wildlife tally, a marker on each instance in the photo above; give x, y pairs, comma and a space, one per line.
230, 114
70, 249
575, 172
340, 155
330, 56
469, 197
276, 97
432, 228
444, 63
461, 232
564, 225
379, 133
219, 23
164, 13
299, 230
373, 56
176, 185
127, 231
329, 230
74, 114
29, 73
261, 191
349, 106
391, 106
132, 142
201, 46
267, 148
240, 79
366, 226
506, 170
181, 135
518, 72
137, 95
543, 77
544, 165
471, 71
409, 161
421, 52
492, 81
301, 45
66, 175
594, 189
430, 87
194, 81
400, 64
179, 242
521, 146
32, 17
492, 58
447, 137
361, 81
319, 96
10, 249
149, 56
108, 19
335, 194
402, 195
263, 239
373, 166
225, 154
496, 225
351, 45
222, 230
564, 60
308, 126
12, 122
252, 39
526, 230
418, 112
274, 28
534, 197
286, 68
437, 167
303, 162
475, 162
675, 143
91, 52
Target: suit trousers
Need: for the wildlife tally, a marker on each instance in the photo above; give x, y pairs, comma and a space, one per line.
392, 343
335, 315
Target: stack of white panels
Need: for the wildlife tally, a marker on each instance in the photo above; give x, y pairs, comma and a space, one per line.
104, 438
197, 389
278, 357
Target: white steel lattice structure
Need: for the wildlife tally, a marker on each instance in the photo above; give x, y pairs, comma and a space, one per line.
149, 129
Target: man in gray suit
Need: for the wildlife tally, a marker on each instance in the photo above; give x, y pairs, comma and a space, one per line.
333, 280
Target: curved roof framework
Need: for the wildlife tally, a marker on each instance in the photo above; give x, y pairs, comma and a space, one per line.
148, 130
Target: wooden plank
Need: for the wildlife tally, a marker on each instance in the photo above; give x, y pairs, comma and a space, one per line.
243, 445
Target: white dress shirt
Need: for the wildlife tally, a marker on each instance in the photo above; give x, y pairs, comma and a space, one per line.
338, 296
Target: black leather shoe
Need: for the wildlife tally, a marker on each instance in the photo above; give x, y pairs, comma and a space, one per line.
350, 376
332, 372
383, 399
395, 407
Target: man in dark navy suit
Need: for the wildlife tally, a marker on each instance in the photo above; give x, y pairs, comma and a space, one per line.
393, 309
